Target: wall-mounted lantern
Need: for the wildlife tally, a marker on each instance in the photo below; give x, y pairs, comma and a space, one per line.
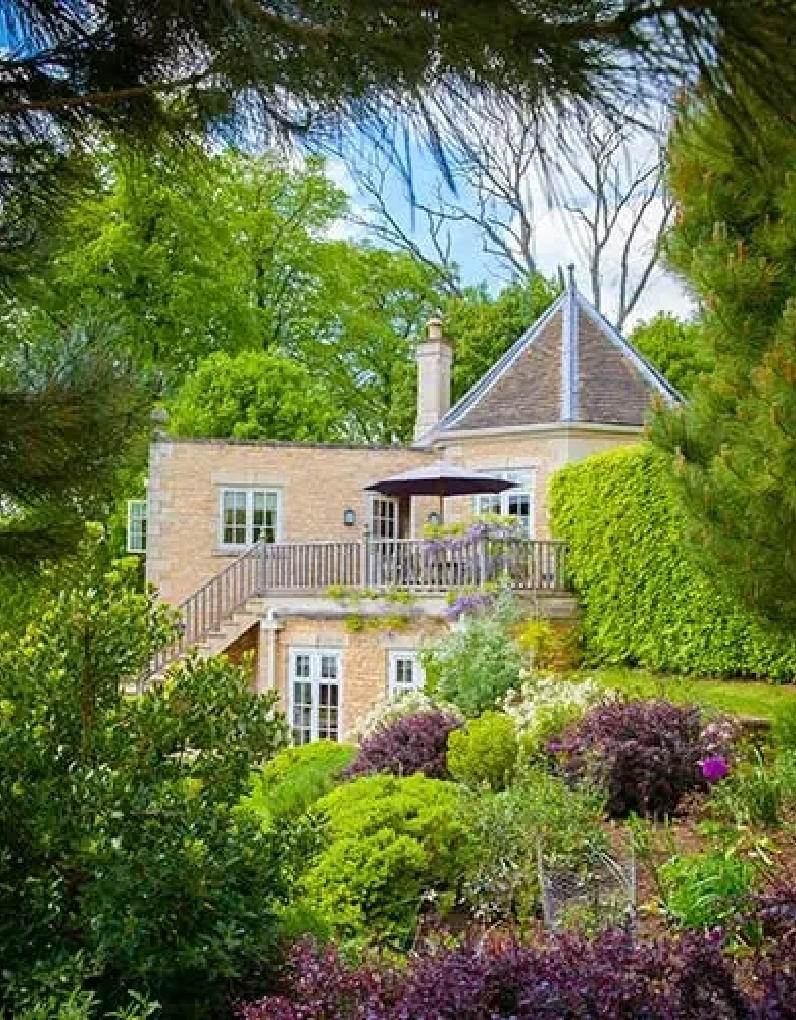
349, 516
433, 518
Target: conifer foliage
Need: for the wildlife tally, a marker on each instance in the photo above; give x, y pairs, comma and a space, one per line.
734, 445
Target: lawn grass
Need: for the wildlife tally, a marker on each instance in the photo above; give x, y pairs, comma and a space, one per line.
737, 697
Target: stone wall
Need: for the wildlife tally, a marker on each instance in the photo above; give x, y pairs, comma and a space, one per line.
364, 659
542, 451
315, 485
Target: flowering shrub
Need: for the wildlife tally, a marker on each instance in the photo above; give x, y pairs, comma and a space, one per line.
546, 704
567, 978
391, 843
468, 603
476, 666
388, 712
415, 743
485, 753
647, 754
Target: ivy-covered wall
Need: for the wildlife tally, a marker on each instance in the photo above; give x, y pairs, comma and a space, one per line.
644, 601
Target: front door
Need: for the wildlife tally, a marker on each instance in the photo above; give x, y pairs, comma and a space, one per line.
315, 675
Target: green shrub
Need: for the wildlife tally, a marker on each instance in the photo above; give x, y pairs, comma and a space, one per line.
644, 601
506, 830
290, 784
390, 842
706, 890
124, 865
783, 729
485, 753
756, 790
475, 665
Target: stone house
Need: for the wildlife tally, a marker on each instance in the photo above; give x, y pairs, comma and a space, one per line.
279, 548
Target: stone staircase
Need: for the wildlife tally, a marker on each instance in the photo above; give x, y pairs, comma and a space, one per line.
216, 641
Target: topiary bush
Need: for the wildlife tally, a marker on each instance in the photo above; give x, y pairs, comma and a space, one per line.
290, 783
647, 754
645, 602
389, 842
485, 753
565, 978
415, 743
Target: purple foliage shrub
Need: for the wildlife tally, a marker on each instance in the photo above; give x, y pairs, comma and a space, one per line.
647, 754
416, 743
566, 978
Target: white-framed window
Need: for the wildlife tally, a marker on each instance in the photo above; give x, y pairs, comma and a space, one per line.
315, 678
404, 673
136, 525
249, 515
384, 518
517, 502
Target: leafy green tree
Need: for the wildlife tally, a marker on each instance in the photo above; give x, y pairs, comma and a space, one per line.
229, 254
734, 445
675, 348
373, 306
124, 865
188, 254
253, 396
482, 328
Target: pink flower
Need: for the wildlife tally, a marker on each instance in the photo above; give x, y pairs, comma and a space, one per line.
715, 768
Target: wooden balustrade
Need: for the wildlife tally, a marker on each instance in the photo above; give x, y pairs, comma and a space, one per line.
422, 566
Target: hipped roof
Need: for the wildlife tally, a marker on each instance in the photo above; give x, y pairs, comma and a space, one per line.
571, 366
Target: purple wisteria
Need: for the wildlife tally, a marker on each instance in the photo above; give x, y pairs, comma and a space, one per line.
472, 602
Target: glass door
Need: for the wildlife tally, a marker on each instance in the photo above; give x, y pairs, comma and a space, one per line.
315, 694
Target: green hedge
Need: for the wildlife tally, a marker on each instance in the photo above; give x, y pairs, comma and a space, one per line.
644, 600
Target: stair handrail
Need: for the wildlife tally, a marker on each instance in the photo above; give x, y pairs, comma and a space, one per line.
204, 610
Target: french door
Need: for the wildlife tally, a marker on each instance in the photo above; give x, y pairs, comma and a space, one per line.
315, 675
384, 518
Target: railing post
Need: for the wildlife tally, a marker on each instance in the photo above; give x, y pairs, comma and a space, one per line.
482, 561
364, 559
261, 585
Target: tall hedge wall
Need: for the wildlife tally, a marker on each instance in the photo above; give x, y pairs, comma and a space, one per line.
644, 601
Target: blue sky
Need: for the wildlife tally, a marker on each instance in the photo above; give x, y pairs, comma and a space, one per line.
555, 243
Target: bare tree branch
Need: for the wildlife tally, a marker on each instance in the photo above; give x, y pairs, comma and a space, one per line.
510, 162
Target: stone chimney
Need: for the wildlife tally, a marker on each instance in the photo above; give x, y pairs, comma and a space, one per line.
434, 359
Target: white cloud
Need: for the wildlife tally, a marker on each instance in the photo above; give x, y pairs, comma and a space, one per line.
558, 243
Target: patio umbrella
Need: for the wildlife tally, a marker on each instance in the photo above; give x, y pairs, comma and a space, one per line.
440, 480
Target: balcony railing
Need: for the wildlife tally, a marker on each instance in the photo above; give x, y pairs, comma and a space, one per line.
376, 564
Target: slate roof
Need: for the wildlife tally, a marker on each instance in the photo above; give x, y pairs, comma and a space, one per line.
571, 366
